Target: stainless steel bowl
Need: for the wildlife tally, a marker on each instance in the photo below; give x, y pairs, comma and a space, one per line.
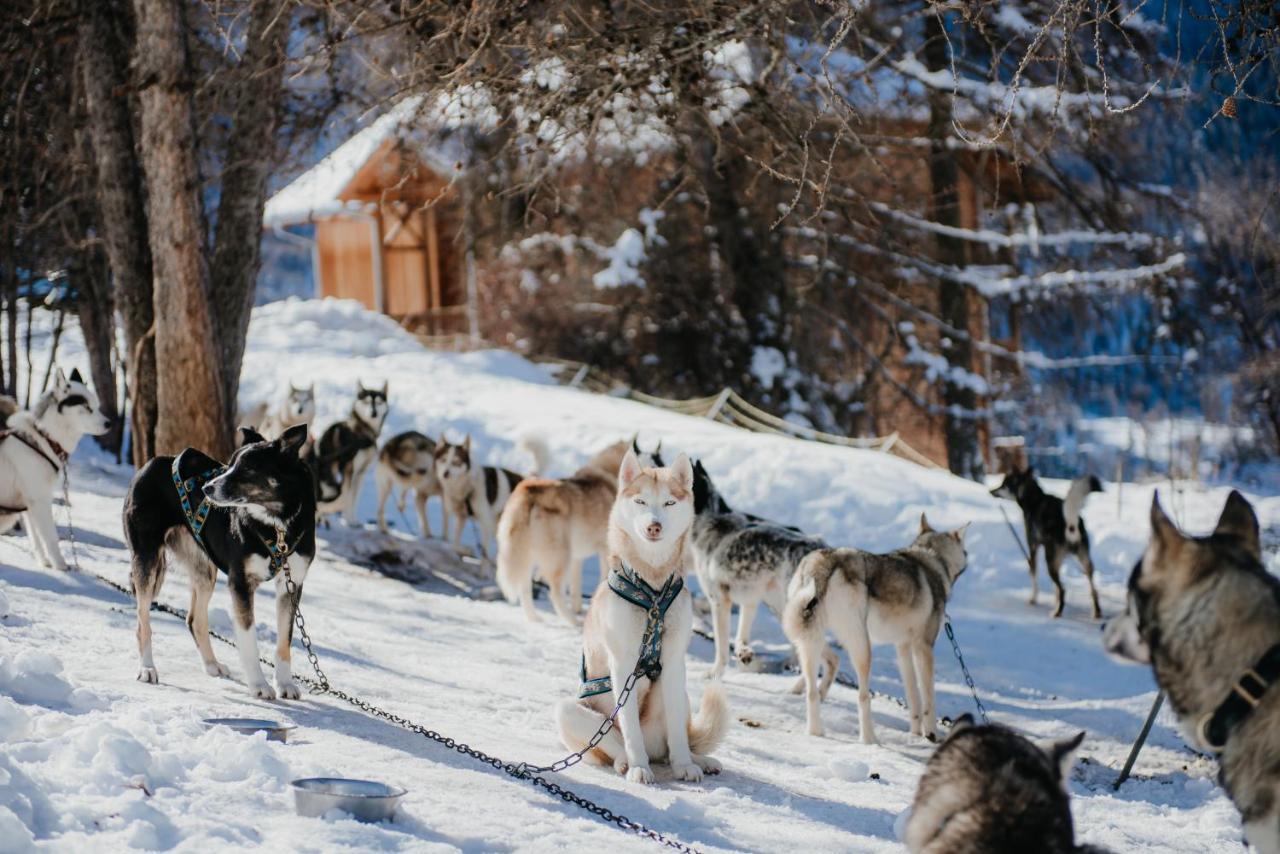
275, 730
364, 800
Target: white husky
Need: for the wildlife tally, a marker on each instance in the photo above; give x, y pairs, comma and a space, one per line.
648, 529
33, 454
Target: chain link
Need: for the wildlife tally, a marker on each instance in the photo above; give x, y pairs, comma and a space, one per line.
964, 668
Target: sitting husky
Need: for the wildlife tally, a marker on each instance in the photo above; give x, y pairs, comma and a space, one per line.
297, 407
34, 447
476, 492
744, 560
249, 519
1055, 524
640, 622
898, 598
553, 525
407, 462
1205, 614
988, 790
345, 451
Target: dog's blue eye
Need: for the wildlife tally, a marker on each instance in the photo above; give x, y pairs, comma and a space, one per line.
669, 503
640, 501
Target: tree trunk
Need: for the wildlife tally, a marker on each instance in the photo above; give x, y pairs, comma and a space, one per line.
236, 254
97, 312
964, 455
123, 222
190, 391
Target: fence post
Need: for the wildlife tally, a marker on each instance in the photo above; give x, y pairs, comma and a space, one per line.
721, 399
579, 376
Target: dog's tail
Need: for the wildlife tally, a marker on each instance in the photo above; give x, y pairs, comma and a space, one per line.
537, 449
711, 724
1076, 495
807, 589
515, 546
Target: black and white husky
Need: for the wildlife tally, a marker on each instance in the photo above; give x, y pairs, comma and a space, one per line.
407, 463
744, 560
346, 450
477, 492
33, 454
250, 520
1055, 524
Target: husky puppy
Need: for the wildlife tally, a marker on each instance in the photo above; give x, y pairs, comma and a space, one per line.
644, 591
744, 560
988, 790
407, 462
898, 598
297, 407
475, 492
551, 526
34, 447
345, 451
1205, 614
190, 510
1055, 524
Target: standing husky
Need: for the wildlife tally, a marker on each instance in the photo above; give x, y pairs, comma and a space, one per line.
476, 492
346, 449
34, 447
297, 407
553, 525
249, 519
639, 623
1205, 614
407, 462
744, 560
898, 598
988, 790
1055, 524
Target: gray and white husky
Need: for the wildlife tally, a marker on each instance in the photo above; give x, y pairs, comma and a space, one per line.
988, 790
34, 447
744, 560
345, 451
1205, 614
407, 463
298, 406
898, 598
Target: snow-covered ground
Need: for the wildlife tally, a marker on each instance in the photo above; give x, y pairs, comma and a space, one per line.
91, 759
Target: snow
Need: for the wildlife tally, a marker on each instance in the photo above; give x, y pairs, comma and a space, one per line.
624, 259
90, 759
767, 364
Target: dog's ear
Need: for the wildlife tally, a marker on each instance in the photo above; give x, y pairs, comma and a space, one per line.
1063, 754
59, 381
1166, 539
961, 724
629, 470
312, 388
293, 438
248, 436
958, 533
1239, 520
683, 470
385, 385
75, 376
925, 527
359, 386
466, 443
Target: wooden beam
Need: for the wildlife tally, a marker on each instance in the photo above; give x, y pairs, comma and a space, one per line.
433, 259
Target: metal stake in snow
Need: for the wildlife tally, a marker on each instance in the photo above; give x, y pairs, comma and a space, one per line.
1142, 739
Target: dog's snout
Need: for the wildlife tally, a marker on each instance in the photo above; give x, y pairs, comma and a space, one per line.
654, 529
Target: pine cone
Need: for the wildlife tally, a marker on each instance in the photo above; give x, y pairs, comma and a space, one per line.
1229, 107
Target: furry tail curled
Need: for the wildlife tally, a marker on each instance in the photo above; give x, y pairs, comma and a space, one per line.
709, 727
1076, 495
537, 449
805, 592
514, 564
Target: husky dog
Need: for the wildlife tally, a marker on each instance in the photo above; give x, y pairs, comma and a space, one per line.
1205, 614
744, 560
249, 520
345, 451
297, 407
898, 598
34, 447
988, 790
478, 493
639, 624
1056, 525
407, 462
551, 526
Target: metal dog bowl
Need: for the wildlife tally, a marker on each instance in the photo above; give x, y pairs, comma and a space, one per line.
275, 730
364, 800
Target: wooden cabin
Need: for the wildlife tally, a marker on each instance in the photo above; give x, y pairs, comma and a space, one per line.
387, 215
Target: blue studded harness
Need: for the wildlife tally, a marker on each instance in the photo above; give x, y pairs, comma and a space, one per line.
624, 581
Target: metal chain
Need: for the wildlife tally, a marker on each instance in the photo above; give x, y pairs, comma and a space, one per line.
964, 668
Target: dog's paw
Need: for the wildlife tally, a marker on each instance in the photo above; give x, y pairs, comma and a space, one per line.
149, 675
216, 669
262, 691
708, 765
915, 727
745, 655
869, 737
640, 774
816, 730
716, 673
288, 690
690, 772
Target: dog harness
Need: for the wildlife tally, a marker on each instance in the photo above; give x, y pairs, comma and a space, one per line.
624, 581
1247, 692
60, 454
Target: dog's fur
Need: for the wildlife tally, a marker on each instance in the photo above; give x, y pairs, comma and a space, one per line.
1202, 611
265, 488
988, 790
865, 599
298, 406
744, 560
345, 451
407, 463
648, 530
549, 527
28, 478
476, 492
1055, 524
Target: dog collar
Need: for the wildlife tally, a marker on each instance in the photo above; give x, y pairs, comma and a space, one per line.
1215, 728
624, 581
58, 451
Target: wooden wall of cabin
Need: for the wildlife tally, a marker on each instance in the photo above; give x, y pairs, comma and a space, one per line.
346, 260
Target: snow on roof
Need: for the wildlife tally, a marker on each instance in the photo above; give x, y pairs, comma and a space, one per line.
315, 193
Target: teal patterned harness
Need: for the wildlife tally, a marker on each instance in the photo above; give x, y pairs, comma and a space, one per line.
624, 581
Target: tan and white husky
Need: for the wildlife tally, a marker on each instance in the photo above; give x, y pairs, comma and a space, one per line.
898, 598
648, 530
